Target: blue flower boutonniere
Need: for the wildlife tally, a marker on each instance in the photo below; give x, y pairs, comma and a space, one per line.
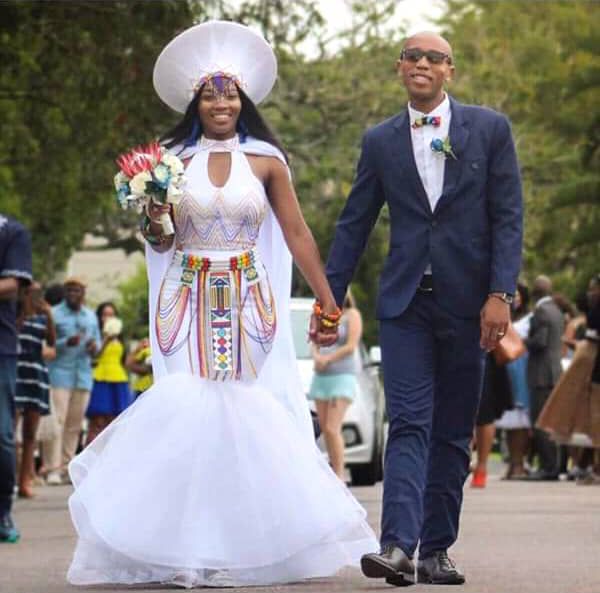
443, 147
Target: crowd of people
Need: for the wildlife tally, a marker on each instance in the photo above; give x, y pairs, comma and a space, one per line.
73, 377
224, 377
65, 373
545, 400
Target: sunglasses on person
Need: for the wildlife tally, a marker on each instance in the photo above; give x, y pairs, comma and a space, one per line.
414, 54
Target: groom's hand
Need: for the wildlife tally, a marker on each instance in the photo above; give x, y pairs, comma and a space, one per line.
495, 317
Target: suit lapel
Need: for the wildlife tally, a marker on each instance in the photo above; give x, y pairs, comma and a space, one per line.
403, 150
459, 135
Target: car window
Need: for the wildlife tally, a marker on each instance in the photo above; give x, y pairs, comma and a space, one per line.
300, 333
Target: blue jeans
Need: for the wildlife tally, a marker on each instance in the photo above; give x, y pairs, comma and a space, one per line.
8, 379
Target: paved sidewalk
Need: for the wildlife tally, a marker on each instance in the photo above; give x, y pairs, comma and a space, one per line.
515, 537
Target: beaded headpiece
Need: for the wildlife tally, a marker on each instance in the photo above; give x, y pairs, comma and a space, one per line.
220, 80
215, 51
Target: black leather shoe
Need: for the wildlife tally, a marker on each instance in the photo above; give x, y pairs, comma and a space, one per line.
391, 564
438, 569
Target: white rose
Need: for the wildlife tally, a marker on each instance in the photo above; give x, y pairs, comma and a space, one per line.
120, 179
161, 173
173, 163
138, 183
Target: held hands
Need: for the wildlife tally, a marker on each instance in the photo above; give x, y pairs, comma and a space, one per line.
323, 328
495, 317
319, 335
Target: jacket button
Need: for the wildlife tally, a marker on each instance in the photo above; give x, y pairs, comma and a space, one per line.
433, 224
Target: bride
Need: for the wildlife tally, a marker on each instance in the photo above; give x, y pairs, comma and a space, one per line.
212, 477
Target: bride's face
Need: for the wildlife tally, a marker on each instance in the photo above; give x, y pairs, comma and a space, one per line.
219, 108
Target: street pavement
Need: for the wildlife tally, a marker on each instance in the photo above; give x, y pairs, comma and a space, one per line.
515, 537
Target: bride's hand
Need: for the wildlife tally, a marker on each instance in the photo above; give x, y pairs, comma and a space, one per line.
156, 210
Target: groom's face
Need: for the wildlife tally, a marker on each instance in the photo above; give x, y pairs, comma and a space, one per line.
425, 65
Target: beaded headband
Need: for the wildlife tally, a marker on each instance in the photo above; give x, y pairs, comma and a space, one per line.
219, 79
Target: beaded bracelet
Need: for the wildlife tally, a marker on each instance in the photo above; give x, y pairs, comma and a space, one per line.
327, 320
148, 234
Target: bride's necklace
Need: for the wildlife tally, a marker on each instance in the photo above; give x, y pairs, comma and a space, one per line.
214, 145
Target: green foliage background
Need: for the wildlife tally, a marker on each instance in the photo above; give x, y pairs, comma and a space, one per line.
75, 90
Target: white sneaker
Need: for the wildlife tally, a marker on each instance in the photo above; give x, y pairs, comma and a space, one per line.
54, 479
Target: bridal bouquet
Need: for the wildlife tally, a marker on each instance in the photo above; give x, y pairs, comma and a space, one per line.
149, 172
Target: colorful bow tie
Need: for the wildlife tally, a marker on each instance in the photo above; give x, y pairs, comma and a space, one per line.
427, 120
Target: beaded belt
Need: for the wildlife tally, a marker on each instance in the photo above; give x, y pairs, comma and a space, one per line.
245, 262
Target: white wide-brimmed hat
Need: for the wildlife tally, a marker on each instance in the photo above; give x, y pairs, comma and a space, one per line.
214, 47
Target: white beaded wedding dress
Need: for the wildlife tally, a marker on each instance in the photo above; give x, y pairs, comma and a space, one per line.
212, 476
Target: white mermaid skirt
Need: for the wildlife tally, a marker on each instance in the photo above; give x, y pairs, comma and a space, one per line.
210, 483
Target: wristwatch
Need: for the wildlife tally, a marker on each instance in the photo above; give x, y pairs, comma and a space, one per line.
503, 296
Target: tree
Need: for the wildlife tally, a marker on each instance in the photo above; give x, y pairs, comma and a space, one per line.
537, 62
75, 89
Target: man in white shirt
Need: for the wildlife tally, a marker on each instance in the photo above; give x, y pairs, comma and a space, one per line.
450, 177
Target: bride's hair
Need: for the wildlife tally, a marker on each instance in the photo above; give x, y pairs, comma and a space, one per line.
250, 123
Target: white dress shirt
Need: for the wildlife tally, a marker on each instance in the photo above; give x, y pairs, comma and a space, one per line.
430, 164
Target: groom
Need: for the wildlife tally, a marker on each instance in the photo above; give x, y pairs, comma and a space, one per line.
449, 175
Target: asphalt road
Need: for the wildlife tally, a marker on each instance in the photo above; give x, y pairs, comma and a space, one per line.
515, 537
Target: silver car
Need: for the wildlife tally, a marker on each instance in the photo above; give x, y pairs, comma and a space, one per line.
363, 424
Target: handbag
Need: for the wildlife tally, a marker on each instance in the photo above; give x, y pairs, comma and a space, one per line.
509, 348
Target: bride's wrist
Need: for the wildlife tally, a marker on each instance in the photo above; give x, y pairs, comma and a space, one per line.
328, 315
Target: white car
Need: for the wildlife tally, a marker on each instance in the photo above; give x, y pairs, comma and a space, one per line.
362, 428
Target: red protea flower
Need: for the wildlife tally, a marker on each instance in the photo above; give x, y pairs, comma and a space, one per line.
141, 158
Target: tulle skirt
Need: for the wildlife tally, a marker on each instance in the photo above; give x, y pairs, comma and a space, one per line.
201, 483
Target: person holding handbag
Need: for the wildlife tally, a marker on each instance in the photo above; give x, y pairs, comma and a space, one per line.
516, 421
499, 395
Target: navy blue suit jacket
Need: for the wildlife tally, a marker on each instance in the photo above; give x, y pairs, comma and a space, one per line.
473, 237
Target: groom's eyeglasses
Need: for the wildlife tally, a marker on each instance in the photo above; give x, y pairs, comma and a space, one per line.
414, 54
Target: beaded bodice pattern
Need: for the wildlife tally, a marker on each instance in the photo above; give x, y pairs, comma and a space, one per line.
220, 218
